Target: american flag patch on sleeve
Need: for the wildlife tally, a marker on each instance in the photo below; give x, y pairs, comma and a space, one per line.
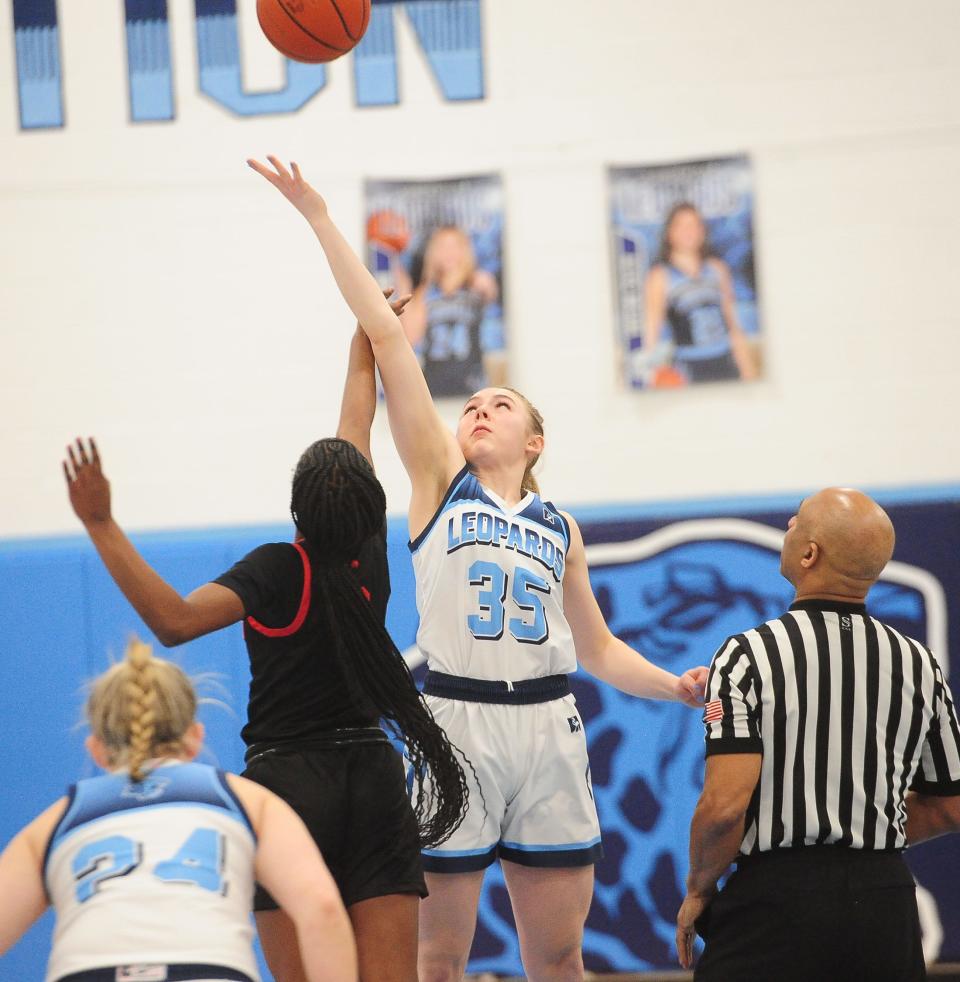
713, 711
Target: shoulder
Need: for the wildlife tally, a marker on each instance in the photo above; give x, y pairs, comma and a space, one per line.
718, 266
657, 274
272, 558
37, 835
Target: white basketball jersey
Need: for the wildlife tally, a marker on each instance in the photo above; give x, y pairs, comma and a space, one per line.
159, 871
490, 586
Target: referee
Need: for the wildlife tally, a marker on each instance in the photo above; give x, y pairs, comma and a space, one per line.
817, 724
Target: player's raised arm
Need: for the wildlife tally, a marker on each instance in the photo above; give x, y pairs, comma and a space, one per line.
358, 405
172, 618
429, 452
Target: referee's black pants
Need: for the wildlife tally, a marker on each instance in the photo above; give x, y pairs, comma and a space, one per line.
814, 914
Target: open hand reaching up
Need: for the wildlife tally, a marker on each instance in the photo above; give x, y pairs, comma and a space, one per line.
291, 184
89, 490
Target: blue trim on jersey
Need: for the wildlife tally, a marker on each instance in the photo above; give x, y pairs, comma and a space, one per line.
466, 489
463, 474
172, 784
563, 521
71, 795
222, 777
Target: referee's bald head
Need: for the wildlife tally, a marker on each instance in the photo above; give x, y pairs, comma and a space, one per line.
837, 544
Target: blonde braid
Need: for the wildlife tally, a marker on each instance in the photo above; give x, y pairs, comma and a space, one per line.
141, 708
141, 693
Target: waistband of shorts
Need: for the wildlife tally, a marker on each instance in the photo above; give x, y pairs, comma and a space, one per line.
523, 693
824, 854
343, 737
161, 973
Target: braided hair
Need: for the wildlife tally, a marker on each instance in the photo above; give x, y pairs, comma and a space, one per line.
140, 709
338, 504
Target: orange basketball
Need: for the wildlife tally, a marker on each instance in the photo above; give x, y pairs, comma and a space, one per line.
667, 377
388, 228
313, 30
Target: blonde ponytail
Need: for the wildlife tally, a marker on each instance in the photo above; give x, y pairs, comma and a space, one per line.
141, 709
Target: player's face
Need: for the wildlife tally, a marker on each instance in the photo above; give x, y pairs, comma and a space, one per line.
494, 427
448, 250
687, 232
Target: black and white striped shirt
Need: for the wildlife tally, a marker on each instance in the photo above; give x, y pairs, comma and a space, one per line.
848, 714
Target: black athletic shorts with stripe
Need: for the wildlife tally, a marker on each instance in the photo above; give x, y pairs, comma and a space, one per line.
352, 796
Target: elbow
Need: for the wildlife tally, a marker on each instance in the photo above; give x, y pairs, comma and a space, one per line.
168, 638
170, 635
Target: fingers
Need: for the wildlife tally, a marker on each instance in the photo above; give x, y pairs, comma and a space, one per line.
264, 171
79, 457
279, 167
388, 293
296, 171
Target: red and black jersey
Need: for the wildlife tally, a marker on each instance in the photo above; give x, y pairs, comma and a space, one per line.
298, 687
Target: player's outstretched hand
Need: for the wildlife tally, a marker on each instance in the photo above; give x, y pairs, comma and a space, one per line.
692, 685
89, 490
397, 303
291, 184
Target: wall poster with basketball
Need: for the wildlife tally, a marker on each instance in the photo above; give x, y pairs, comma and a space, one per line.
442, 241
683, 258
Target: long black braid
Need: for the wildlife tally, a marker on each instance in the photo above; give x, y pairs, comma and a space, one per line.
338, 504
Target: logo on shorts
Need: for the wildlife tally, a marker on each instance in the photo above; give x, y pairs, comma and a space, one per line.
574, 722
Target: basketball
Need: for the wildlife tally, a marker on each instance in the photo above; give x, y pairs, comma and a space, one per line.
388, 228
313, 30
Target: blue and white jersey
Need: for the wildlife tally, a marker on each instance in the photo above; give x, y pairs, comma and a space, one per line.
160, 871
695, 313
490, 586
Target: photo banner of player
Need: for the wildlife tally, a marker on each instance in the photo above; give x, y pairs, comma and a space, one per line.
684, 270
442, 241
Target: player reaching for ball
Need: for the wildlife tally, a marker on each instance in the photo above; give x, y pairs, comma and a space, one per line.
324, 671
506, 609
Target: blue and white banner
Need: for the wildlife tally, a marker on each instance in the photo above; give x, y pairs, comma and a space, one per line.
686, 293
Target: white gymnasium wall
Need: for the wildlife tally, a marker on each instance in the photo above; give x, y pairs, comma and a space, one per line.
157, 294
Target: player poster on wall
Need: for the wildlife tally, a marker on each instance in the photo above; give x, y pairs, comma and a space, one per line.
441, 240
684, 271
